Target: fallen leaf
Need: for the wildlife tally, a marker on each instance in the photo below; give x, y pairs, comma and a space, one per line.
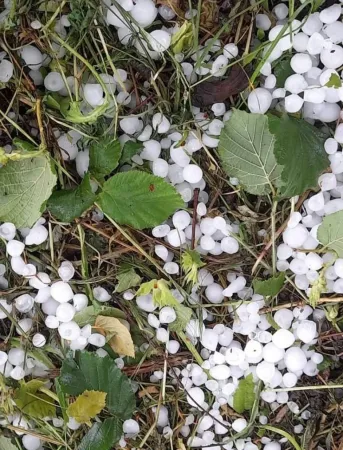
210, 92
148, 390
119, 337
87, 406
209, 14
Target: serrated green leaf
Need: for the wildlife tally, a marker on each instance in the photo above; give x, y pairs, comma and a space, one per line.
6, 444
90, 372
282, 71
183, 316
129, 150
330, 233
139, 199
25, 185
334, 81
127, 279
102, 436
269, 287
87, 406
246, 150
88, 315
104, 156
244, 396
32, 402
299, 148
68, 204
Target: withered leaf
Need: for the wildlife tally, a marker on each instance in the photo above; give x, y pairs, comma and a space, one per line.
119, 336
210, 92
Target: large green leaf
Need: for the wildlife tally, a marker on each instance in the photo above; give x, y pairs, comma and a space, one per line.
282, 71
90, 372
330, 232
104, 156
25, 185
32, 402
6, 444
130, 149
68, 204
246, 149
244, 396
299, 148
269, 287
90, 313
139, 199
102, 436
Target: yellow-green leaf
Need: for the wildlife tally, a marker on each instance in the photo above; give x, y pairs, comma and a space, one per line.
182, 39
87, 406
32, 402
119, 336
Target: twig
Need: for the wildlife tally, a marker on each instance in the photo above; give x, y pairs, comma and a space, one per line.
194, 221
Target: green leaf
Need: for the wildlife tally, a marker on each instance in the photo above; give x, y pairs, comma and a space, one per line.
104, 156
88, 315
182, 39
24, 146
127, 279
6, 444
246, 150
25, 185
102, 436
183, 316
32, 402
299, 148
87, 406
68, 204
90, 372
334, 81
62, 400
244, 396
139, 199
74, 114
269, 287
282, 71
130, 149
330, 233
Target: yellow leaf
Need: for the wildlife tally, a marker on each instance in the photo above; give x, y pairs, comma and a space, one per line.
87, 406
120, 337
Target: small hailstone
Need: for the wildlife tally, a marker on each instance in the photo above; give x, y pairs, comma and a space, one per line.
281, 11
176, 238
218, 109
160, 167
295, 84
229, 245
171, 268
151, 151
214, 293
80, 301
16, 356
65, 312
160, 231
14, 248
32, 57
295, 359
153, 321
209, 339
37, 235
295, 237
263, 22
306, 331
97, 339
293, 103
162, 335
144, 12
61, 292
331, 14
69, 331
173, 347
38, 340
259, 101
181, 220
230, 51
66, 271
18, 373
18, 265
160, 41
265, 371
131, 427
195, 397
73, 424
239, 424
7, 231
53, 82
167, 314
301, 63
52, 322
101, 294
24, 303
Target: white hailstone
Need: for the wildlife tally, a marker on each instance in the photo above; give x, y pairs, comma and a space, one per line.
18, 373
151, 151
331, 14
162, 335
69, 331
220, 372
207, 243
153, 321
61, 292
295, 84
101, 294
176, 238
289, 379
313, 24
265, 371
16, 356
218, 109
146, 303
80, 302
230, 51
167, 315
316, 202
69, 149
66, 271
295, 359
6, 70
79, 344
306, 331
229, 245
160, 167
160, 231
38, 340
15, 248
31, 442
72, 424
181, 220
65, 312
273, 353
159, 41
52, 322
162, 252
270, 81
32, 57
144, 12
293, 103
218, 69
281, 11
171, 268
253, 351
97, 339
209, 339
284, 318
259, 101
54, 82
234, 356
317, 358
239, 424
18, 265
145, 134
284, 252
300, 42
195, 397
179, 156
315, 44
173, 347
93, 93
332, 58
7, 231
205, 278
339, 134
82, 162
50, 306
283, 338
37, 235
24, 303
214, 293
295, 237
237, 285
131, 427
3, 358
301, 63
263, 22
327, 182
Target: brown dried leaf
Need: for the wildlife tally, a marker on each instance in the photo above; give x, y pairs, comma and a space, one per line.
210, 92
120, 337
209, 14
148, 390
173, 4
